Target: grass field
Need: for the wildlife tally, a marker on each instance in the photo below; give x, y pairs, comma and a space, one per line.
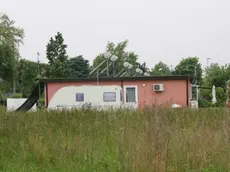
150, 140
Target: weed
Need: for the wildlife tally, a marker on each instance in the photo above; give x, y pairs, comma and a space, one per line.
157, 139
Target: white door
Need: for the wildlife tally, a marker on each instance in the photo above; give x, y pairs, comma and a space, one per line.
130, 96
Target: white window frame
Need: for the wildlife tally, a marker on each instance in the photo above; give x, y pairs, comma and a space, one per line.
136, 94
109, 93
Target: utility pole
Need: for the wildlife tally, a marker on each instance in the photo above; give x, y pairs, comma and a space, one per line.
208, 62
171, 69
195, 75
97, 76
38, 63
39, 89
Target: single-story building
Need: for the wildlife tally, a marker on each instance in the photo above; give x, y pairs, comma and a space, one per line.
140, 91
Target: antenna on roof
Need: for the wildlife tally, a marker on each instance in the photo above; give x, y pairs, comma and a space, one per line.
106, 68
127, 68
146, 74
114, 59
106, 55
120, 72
138, 71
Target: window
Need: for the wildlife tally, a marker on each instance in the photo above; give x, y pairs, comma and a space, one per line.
109, 97
80, 97
130, 94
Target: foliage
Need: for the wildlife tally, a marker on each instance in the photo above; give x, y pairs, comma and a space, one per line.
56, 54
206, 97
10, 34
123, 55
160, 69
78, 66
28, 75
23, 73
190, 66
216, 75
10, 39
143, 67
228, 90
18, 95
86, 140
7, 63
220, 96
5, 86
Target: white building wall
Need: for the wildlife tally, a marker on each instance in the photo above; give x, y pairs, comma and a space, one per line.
14, 103
66, 97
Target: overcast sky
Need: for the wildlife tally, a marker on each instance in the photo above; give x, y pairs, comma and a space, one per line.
165, 30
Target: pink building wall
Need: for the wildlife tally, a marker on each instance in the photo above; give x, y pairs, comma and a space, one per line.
175, 91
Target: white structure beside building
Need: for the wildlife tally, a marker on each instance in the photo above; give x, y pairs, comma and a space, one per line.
86, 96
14, 103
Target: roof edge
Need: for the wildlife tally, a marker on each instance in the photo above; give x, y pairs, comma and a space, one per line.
170, 77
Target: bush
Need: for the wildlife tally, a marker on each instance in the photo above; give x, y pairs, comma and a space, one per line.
17, 95
41, 103
205, 99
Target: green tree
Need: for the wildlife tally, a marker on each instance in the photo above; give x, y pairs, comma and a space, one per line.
205, 97
7, 63
28, 74
160, 69
78, 67
10, 39
56, 54
123, 55
190, 66
10, 34
143, 67
216, 75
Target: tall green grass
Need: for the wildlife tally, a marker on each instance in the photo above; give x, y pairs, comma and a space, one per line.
157, 140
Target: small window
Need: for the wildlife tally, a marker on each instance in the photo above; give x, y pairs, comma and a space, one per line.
79, 97
109, 97
130, 95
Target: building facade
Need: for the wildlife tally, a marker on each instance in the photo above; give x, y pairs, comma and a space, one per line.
138, 92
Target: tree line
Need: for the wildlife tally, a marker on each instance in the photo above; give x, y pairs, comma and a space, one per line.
18, 75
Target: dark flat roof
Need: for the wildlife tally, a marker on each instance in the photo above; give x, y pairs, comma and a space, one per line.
171, 77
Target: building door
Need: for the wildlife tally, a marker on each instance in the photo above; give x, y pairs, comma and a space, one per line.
130, 96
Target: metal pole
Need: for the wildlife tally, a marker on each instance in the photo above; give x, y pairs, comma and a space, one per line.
14, 86
195, 74
114, 72
171, 69
197, 93
208, 62
107, 67
39, 89
97, 67
128, 72
97, 77
38, 67
123, 74
120, 72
